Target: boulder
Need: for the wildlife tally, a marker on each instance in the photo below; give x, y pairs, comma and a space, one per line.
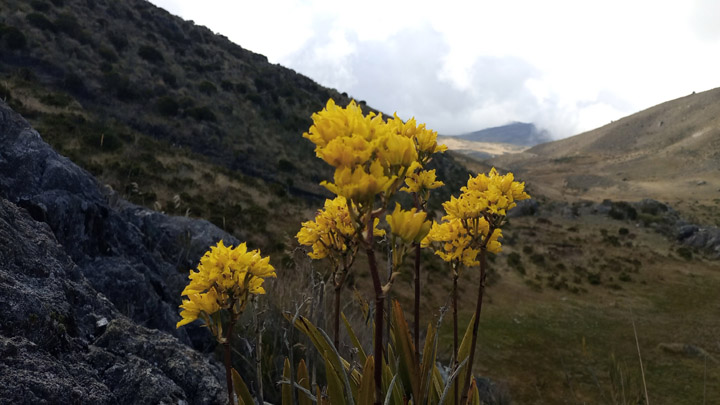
90, 287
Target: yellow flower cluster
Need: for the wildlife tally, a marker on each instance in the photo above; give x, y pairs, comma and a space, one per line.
331, 231
410, 226
494, 194
482, 206
223, 279
369, 155
421, 182
455, 242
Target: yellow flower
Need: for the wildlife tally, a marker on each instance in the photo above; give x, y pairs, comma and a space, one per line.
346, 151
421, 182
334, 121
207, 303
452, 242
397, 150
359, 185
224, 272
410, 226
486, 194
427, 141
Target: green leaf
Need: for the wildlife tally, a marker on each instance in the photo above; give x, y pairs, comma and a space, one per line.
241, 390
353, 338
389, 387
366, 392
303, 380
287, 388
320, 343
474, 392
463, 353
407, 368
335, 391
428, 364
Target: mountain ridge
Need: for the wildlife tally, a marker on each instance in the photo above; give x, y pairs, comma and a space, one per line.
515, 133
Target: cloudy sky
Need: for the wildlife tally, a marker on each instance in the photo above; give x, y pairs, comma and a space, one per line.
568, 66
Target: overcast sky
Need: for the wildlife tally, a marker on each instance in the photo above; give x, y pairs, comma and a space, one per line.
568, 66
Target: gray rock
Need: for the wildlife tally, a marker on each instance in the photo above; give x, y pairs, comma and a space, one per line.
686, 231
55, 347
89, 290
137, 258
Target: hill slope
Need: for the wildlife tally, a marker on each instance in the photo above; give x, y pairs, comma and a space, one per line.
670, 152
169, 114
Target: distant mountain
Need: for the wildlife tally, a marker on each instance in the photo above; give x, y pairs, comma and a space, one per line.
516, 133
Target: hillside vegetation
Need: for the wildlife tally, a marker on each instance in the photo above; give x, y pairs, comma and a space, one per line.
169, 114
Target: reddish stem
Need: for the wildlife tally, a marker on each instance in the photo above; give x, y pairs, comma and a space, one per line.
476, 322
455, 331
379, 301
417, 302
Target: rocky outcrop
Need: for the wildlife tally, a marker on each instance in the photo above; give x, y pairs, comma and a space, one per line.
89, 287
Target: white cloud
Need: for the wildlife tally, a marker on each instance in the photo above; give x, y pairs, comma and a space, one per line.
464, 65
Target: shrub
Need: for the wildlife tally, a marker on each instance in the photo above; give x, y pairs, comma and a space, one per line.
227, 85
74, 84
515, 262
150, 54
207, 87
167, 106
594, 278
40, 6
169, 79
286, 165
56, 99
69, 25
537, 259
201, 114
13, 38
119, 41
685, 253
612, 240
263, 84
241, 87
39, 20
119, 85
107, 54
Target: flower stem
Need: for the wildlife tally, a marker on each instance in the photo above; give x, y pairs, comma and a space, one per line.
258, 351
455, 331
416, 334
228, 361
379, 304
417, 302
336, 323
476, 322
